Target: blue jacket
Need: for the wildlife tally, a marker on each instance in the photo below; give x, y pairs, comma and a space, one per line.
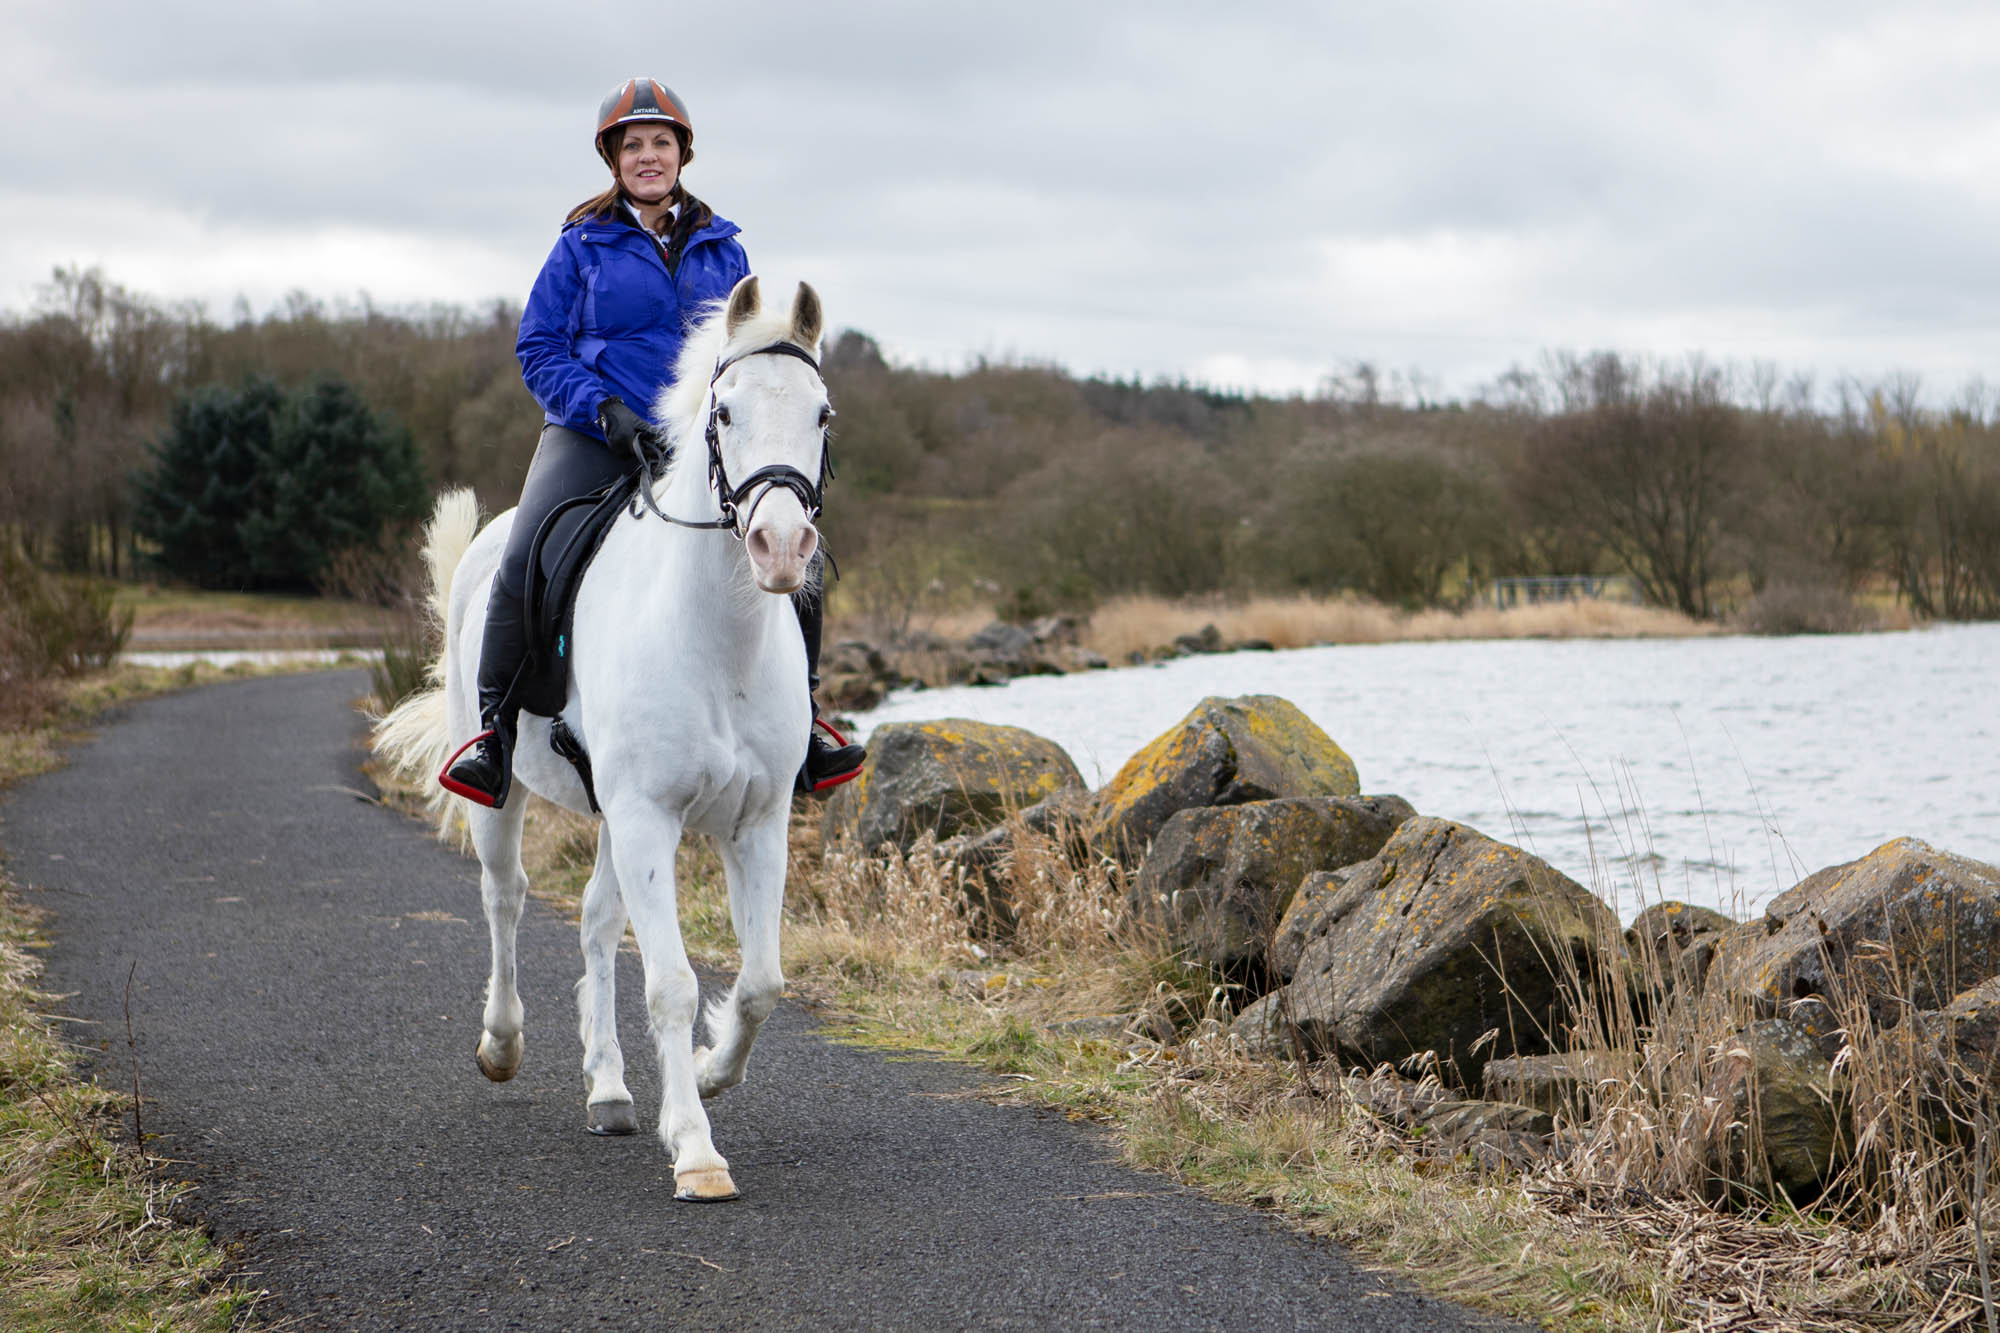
605, 317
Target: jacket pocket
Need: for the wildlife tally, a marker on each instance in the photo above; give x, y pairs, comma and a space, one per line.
622, 297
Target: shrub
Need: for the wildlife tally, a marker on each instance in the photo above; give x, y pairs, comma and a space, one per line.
50, 625
1800, 608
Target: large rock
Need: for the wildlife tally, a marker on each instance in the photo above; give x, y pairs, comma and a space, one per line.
1448, 936
1671, 945
1226, 752
1674, 925
1907, 926
1968, 1030
1777, 1112
1220, 878
948, 777
1324, 899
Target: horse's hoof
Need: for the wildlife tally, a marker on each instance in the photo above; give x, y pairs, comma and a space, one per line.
707, 1185
500, 1060
613, 1118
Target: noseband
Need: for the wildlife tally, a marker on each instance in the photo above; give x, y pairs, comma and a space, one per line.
734, 518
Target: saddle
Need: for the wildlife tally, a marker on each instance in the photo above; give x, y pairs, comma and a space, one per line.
564, 546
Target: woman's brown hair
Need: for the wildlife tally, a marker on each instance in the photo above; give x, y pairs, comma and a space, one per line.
691, 216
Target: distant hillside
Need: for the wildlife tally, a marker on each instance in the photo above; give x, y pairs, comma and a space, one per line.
1025, 487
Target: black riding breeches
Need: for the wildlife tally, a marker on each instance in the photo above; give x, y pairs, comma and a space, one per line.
567, 465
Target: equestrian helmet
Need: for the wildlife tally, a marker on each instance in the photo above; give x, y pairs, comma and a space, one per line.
640, 100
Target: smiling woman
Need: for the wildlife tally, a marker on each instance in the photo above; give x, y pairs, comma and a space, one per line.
633, 271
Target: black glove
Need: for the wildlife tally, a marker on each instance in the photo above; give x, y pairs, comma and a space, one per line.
626, 432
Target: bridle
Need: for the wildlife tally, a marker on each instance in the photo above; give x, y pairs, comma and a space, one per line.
734, 517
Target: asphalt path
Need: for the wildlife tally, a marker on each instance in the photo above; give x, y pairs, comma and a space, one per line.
306, 996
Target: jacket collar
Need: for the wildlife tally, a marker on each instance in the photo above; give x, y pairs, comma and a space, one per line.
619, 226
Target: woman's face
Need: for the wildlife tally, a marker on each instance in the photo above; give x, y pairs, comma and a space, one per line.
649, 161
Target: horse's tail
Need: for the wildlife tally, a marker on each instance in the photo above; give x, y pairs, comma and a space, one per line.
415, 737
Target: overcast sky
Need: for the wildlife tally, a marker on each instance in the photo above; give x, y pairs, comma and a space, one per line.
1245, 196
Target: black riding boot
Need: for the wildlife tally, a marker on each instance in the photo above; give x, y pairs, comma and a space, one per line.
829, 762
484, 770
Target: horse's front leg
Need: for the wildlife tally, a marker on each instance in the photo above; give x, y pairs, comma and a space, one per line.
643, 841
503, 888
607, 1102
755, 865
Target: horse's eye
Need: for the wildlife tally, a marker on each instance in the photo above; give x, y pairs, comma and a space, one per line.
722, 414
825, 415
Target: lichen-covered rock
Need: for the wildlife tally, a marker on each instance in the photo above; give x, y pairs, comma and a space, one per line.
842, 691
1906, 926
946, 777
1969, 1032
1671, 945
1456, 936
1327, 896
1220, 878
1226, 752
1773, 1076
1673, 924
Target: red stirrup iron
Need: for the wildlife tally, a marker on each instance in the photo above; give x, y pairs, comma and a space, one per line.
472, 794
839, 741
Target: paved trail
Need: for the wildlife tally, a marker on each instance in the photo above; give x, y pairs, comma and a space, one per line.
309, 976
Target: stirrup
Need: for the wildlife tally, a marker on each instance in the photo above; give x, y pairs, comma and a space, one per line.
492, 800
807, 785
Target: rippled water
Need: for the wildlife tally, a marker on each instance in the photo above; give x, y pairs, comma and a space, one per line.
1718, 771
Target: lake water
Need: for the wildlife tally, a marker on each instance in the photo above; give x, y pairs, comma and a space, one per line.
261, 657
1719, 771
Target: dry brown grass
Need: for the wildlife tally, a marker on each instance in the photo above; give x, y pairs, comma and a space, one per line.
1125, 625
1138, 623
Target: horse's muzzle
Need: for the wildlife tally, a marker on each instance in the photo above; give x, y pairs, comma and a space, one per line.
781, 553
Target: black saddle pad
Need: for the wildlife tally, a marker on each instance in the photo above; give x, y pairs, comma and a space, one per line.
564, 546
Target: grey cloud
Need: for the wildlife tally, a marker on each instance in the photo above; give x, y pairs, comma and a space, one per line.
1050, 174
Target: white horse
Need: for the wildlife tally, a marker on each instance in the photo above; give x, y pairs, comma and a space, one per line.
687, 689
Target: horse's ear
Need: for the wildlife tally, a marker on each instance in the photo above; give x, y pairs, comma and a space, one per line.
807, 321
743, 304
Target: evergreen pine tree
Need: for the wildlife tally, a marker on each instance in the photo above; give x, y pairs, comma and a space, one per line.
258, 489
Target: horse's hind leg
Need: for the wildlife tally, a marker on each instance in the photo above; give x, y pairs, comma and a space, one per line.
607, 1103
755, 865
503, 887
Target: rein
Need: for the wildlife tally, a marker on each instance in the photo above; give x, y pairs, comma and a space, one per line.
733, 518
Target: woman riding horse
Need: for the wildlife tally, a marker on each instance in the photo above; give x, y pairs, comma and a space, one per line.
632, 271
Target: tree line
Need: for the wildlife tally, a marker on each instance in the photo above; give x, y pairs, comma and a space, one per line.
1712, 486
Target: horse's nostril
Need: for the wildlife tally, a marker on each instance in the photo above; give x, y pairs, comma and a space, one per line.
759, 542
808, 543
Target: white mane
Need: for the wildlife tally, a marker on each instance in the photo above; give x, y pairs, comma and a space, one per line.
707, 346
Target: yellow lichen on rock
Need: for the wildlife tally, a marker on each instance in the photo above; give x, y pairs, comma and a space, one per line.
946, 777
1225, 752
